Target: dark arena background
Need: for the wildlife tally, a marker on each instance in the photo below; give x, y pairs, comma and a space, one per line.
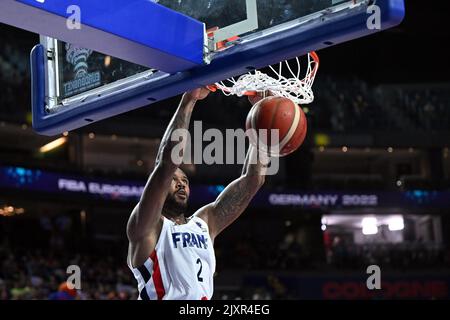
370, 186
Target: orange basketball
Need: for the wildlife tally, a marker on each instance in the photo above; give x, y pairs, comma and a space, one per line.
277, 113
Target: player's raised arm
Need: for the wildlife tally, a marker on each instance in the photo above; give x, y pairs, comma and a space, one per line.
145, 220
237, 195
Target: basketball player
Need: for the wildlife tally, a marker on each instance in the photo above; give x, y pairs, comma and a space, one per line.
171, 256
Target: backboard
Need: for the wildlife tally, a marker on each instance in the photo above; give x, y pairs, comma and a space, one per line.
74, 86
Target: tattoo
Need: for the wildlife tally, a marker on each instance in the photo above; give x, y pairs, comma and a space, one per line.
237, 196
232, 202
180, 120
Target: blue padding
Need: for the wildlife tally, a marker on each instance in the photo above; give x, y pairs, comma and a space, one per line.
232, 62
139, 31
37, 58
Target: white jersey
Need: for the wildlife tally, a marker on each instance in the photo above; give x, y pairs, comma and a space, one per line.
182, 265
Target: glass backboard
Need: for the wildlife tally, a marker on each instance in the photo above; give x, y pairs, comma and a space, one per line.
245, 17
269, 13
75, 73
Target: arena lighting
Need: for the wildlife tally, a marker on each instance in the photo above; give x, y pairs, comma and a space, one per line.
9, 211
324, 224
369, 226
53, 145
83, 216
396, 224
321, 139
107, 61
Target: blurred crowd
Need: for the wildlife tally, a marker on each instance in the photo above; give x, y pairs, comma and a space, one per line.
13, 65
30, 273
345, 104
39, 274
427, 109
249, 253
14, 82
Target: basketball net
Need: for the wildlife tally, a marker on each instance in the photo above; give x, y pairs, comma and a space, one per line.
292, 87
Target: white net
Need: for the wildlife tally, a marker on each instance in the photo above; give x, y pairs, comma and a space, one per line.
290, 86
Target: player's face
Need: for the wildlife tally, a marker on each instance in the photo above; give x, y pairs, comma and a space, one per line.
179, 189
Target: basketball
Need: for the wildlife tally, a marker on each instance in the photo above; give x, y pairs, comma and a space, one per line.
277, 113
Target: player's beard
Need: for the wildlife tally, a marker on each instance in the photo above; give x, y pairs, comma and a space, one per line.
174, 207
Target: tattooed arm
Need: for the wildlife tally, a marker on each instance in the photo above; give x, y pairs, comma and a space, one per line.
235, 198
145, 222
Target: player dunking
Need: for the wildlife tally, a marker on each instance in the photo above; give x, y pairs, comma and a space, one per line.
171, 256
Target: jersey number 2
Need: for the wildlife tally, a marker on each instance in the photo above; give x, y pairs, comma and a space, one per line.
200, 279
